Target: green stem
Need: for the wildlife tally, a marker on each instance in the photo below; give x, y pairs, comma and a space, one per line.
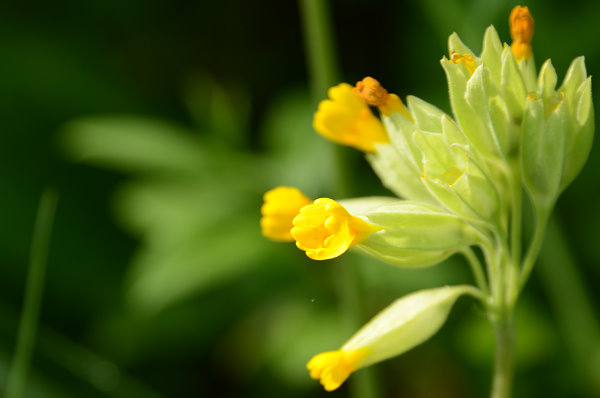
33, 294
477, 270
318, 42
503, 363
534, 248
515, 234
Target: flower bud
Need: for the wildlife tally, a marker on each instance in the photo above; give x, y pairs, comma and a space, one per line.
557, 132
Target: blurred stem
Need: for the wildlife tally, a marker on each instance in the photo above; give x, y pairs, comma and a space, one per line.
33, 294
571, 303
323, 72
319, 47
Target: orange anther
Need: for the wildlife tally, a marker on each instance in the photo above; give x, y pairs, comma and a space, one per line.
370, 91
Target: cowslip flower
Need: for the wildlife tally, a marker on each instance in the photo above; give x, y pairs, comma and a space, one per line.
401, 326
459, 180
324, 229
346, 118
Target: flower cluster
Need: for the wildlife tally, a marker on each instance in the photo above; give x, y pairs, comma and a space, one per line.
460, 178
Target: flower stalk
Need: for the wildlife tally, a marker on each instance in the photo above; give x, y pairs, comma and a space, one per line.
460, 179
502, 380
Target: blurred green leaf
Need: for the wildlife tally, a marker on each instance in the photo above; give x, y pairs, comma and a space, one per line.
134, 144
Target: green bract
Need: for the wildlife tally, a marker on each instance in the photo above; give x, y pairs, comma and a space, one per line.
411, 234
406, 323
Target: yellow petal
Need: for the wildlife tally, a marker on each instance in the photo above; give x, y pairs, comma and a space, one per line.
347, 120
280, 206
325, 229
334, 367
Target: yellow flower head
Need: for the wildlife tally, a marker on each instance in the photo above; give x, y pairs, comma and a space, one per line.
347, 120
325, 229
280, 206
521, 31
466, 59
334, 367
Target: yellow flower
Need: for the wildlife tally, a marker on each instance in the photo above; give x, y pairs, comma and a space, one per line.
334, 367
521, 31
347, 120
280, 206
325, 229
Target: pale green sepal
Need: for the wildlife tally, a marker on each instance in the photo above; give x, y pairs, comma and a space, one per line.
414, 225
362, 206
441, 162
411, 234
400, 130
399, 174
427, 116
512, 85
543, 150
457, 181
406, 323
576, 74
452, 134
527, 69
469, 121
406, 258
579, 139
455, 43
477, 97
584, 102
506, 133
491, 54
547, 79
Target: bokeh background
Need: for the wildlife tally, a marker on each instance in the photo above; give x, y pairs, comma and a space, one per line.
162, 122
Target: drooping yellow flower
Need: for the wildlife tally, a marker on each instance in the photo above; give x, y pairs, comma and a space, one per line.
521, 31
347, 120
466, 59
334, 367
325, 229
280, 206
403, 325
